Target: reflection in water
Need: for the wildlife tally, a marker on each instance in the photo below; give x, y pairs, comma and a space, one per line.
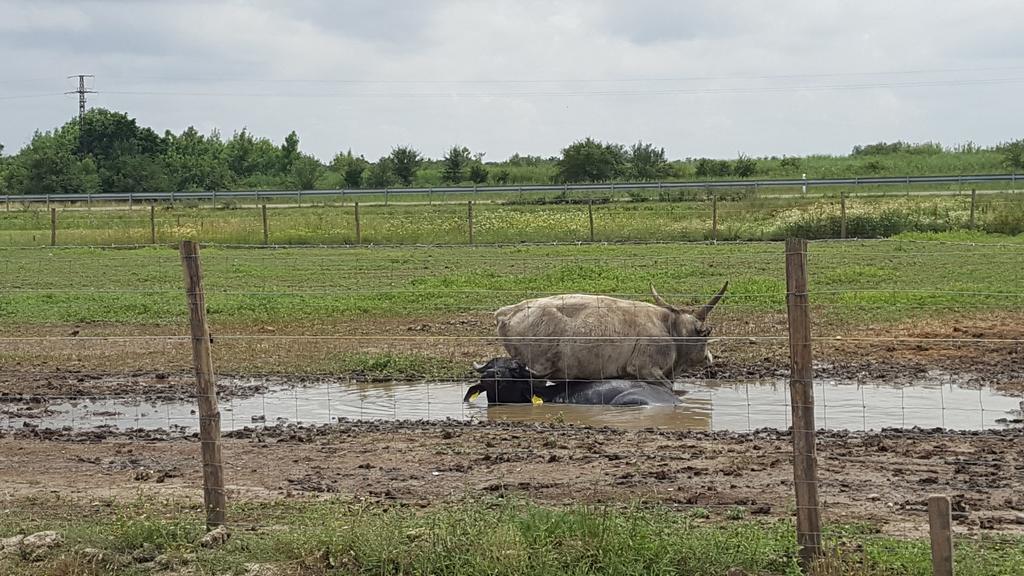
707, 405
693, 414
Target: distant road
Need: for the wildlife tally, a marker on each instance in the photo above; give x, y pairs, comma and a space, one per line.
963, 181
866, 194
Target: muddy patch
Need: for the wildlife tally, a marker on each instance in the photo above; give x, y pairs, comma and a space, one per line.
882, 477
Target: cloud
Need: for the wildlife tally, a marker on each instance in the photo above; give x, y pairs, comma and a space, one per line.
700, 78
38, 17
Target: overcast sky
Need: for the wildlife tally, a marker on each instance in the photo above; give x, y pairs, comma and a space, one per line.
700, 78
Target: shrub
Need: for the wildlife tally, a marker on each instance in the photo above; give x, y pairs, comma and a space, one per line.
1009, 221
878, 220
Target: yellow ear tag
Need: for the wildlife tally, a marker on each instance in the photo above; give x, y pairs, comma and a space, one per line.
537, 400
473, 396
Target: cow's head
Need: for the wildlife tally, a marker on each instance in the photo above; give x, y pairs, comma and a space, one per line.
504, 381
692, 328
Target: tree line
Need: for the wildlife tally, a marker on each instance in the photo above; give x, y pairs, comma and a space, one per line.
107, 151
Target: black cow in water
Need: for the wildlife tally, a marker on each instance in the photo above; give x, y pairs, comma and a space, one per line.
506, 381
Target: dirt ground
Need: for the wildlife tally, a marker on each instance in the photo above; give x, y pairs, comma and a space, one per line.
883, 478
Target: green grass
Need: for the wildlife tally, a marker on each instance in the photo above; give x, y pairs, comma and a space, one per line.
744, 218
855, 282
483, 537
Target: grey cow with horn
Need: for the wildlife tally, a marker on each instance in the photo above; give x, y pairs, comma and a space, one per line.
587, 337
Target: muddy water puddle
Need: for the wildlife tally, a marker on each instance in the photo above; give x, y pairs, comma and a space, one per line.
706, 405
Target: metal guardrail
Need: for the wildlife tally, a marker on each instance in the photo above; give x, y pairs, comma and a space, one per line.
595, 187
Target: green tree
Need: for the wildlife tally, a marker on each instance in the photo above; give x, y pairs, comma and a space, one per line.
477, 173
304, 172
128, 158
454, 164
381, 174
197, 162
128, 173
527, 160
406, 161
49, 165
350, 168
591, 161
712, 168
107, 135
289, 152
1013, 154
744, 166
248, 156
790, 163
645, 162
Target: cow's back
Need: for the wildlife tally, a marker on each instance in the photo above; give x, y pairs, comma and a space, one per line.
578, 336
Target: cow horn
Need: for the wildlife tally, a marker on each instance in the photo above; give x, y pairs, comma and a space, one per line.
478, 366
658, 299
703, 311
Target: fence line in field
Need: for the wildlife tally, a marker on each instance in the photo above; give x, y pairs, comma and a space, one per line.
261, 228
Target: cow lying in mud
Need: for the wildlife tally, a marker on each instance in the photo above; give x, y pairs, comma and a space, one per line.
586, 337
506, 381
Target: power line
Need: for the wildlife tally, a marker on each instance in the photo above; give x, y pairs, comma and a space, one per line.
28, 96
629, 92
438, 81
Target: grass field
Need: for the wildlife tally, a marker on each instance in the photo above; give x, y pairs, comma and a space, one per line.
406, 300
282, 286
484, 537
757, 218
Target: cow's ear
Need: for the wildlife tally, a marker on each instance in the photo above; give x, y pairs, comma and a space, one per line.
704, 331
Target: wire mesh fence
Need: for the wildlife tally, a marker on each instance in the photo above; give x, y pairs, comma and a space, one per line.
708, 218
921, 392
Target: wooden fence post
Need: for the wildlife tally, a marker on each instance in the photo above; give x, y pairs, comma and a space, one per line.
590, 215
940, 530
714, 218
53, 226
266, 229
359, 230
469, 219
842, 214
152, 223
214, 498
801, 389
974, 204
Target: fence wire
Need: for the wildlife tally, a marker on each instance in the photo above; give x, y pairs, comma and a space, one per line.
380, 412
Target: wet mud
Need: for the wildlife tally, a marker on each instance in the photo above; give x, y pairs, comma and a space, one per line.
882, 477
